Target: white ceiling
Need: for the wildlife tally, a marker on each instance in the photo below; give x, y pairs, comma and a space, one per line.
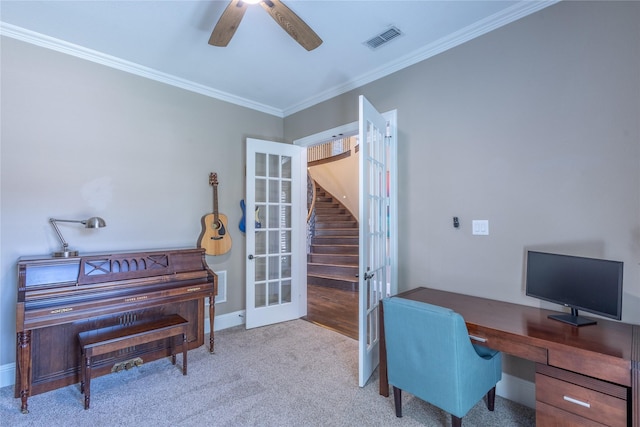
262, 68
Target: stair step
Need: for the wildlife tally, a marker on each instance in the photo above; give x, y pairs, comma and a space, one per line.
345, 271
338, 259
335, 240
337, 282
334, 218
337, 232
328, 204
324, 199
335, 249
331, 211
337, 224
323, 219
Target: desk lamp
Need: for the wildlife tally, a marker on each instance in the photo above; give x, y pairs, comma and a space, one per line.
93, 222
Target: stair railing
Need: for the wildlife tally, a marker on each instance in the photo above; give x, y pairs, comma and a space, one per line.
311, 204
313, 200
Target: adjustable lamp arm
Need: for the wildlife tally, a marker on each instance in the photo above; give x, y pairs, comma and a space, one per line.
93, 222
53, 221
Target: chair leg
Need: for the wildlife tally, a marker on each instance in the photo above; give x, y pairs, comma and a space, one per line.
455, 421
397, 399
491, 399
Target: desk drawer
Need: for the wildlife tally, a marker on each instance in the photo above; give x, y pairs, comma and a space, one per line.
507, 345
582, 401
611, 369
550, 416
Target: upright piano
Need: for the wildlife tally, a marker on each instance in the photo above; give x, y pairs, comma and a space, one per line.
61, 297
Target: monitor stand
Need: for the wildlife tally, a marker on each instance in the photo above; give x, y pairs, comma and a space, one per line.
573, 318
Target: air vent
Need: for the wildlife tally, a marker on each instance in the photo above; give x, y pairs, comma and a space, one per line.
383, 38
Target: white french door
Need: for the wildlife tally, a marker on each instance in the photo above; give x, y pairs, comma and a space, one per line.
378, 228
276, 265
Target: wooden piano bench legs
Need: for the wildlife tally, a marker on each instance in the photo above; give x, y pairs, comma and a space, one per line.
103, 341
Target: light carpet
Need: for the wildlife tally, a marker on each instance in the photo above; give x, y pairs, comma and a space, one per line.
289, 374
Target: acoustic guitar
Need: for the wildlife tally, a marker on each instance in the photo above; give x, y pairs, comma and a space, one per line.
215, 238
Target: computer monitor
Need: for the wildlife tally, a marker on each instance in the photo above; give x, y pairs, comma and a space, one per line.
587, 284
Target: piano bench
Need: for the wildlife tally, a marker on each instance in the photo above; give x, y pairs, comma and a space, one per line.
102, 341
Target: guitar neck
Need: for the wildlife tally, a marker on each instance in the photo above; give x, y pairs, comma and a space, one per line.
215, 203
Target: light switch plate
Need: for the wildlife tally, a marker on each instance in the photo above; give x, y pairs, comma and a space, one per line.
480, 227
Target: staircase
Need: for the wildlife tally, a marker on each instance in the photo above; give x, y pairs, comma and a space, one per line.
333, 261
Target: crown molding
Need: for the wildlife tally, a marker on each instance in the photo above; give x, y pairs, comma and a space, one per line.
47, 42
497, 20
470, 32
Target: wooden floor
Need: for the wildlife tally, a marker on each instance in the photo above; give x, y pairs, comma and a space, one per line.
334, 309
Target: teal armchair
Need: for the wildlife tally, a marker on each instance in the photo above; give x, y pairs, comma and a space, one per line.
430, 355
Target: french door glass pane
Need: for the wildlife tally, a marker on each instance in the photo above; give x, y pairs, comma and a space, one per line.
261, 269
261, 297
274, 191
285, 266
286, 291
261, 186
261, 165
285, 241
285, 217
274, 165
286, 167
285, 195
259, 216
274, 267
274, 247
274, 293
274, 216
261, 242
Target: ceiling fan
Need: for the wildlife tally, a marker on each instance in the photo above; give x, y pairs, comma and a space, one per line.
287, 19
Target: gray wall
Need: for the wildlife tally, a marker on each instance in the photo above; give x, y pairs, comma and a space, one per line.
534, 127
79, 139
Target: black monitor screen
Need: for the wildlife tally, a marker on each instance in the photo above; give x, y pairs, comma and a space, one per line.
589, 284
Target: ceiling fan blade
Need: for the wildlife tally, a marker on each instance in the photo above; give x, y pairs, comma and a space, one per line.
228, 23
292, 24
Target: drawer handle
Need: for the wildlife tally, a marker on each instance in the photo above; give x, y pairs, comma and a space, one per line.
577, 402
473, 337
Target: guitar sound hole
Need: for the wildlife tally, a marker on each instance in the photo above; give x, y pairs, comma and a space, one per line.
219, 228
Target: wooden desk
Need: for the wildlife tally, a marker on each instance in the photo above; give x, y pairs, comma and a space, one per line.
605, 356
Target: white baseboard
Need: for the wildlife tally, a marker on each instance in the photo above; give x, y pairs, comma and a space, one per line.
223, 321
517, 390
7, 374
